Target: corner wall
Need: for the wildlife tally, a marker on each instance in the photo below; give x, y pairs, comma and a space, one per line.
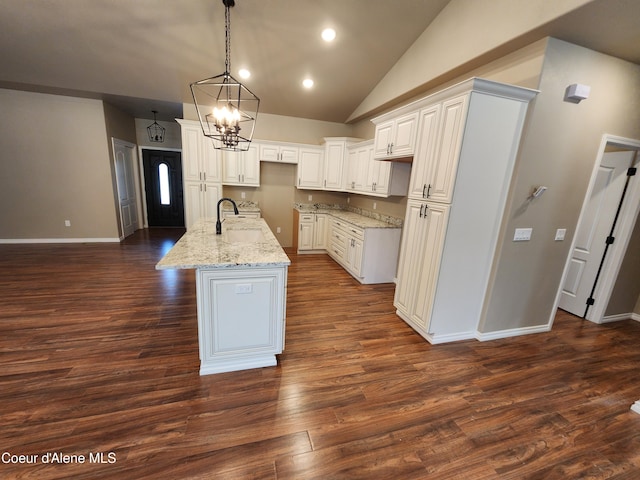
558, 149
55, 167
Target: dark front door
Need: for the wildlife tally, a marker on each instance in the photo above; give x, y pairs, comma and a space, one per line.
163, 186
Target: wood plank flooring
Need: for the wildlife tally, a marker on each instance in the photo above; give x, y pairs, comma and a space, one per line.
99, 355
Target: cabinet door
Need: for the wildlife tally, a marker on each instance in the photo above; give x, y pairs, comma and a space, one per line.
404, 137
320, 232
334, 166
232, 168
362, 173
354, 256
434, 219
351, 170
289, 154
191, 143
269, 153
251, 167
211, 164
383, 139
310, 168
443, 168
211, 193
429, 119
305, 236
192, 203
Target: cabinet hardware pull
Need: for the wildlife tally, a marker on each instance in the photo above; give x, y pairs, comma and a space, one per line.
205, 187
204, 175
391, 148
424, 187
429, 191
425, 211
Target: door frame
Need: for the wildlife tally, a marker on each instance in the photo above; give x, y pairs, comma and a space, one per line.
136, 178
626, 222
143, 205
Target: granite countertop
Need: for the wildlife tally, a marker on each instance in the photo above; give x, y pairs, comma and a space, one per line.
201, 248
243, 206
359, 219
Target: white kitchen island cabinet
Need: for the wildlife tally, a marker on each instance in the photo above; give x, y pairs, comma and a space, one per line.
241, 281
467, 143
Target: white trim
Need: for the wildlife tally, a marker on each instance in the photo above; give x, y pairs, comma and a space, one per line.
449, 337
635, 317
627, 219
617, 318
636, 407
513, 332
58, 240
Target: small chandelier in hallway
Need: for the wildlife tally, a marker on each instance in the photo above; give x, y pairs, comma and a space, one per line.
155, 130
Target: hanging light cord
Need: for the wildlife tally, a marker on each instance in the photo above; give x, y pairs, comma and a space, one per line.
227, 36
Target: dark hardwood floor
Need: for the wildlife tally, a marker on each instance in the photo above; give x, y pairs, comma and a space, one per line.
99, 355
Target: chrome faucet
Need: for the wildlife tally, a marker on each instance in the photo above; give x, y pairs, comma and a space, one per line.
218, 222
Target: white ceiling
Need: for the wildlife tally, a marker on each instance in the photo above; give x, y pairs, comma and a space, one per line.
141, 55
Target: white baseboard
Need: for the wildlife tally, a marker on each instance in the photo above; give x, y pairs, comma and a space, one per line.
58, 240
514, 332
621, 316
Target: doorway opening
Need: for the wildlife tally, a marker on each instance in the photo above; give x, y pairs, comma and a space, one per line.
163, 188
606, 223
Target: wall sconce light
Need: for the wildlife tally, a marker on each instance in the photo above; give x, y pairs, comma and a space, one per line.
576, 93
537, 193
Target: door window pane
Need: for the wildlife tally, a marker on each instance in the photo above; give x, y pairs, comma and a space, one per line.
163, 174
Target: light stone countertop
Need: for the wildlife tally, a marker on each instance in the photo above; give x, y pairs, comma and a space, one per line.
357, 219
201, 248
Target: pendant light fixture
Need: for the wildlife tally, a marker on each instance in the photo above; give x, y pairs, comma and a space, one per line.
155, 130
227, 110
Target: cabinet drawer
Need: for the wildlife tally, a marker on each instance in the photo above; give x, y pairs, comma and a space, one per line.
306, 217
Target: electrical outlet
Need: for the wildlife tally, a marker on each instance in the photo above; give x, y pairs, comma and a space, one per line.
560, 233
375, 205
67, 223
243, 195
278, 230
310, 198
522, 234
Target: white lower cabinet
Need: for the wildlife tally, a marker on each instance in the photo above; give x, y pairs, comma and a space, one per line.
422, 244
312, 232
370, 255
241, 317
200, 200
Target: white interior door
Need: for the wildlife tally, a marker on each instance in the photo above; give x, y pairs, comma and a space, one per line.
124, 158
593, 230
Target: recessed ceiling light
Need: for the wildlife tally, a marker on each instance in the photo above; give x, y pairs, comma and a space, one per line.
328, 34
307, 83
244, 73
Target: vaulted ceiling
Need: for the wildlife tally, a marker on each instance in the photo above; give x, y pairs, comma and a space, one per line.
141, 55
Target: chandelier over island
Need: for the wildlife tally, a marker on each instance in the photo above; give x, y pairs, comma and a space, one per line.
227, 110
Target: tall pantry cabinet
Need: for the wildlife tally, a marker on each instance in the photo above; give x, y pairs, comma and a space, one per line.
468, 137
201, 173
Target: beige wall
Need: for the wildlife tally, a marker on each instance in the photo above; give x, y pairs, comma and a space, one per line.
559, 148
465, 35
55, 167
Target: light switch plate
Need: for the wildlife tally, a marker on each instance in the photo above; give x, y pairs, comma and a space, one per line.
560, 233
522, 234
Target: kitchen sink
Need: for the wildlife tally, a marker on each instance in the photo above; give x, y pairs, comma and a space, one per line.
249, 235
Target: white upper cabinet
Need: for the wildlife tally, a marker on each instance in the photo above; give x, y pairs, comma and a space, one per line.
241, 168
371, 177
395, 137
311, 168
279, 153
439, 144
200, 161
334, 166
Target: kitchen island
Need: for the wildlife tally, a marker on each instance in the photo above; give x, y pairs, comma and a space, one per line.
241, 279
